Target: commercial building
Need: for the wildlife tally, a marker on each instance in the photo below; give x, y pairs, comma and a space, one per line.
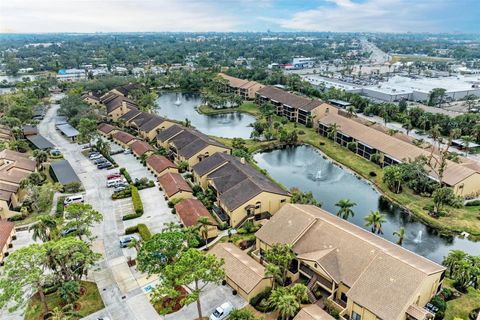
242, 273
242, 192
463, 177
243, 88
363, 275
186, 144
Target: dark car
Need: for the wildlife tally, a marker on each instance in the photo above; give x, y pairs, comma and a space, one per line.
99, 161
104, 165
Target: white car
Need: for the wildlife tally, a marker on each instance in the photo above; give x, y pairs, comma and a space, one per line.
222, 312
95, 156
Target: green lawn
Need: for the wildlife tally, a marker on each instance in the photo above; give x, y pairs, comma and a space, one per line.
458, 220
90, 302
246, 107
462, 306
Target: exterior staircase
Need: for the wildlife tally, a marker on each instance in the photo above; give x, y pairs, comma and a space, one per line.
310, 286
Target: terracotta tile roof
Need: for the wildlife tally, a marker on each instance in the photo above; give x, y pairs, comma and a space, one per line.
313, 312
140, 147
191, 210
6, 191
159, 163
419, 313
382, 276
172, 183
393, 147
6, 228
123, 137
106, 128
239, 267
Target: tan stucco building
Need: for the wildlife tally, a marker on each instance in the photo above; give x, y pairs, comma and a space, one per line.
242, 192
242, 273
363, 275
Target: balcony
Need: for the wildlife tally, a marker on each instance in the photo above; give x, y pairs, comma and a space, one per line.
220, 213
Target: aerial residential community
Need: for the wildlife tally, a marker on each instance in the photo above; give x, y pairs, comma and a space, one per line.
173, 162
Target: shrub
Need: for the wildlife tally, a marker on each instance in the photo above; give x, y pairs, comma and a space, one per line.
69, 292
137, 201
372, 174
264, 295
131, 230
131, 216
60, 206
441, 305
125, 173
17, 217
72, 187
447, 294
196, 190
473, 203
173, 202
234, 292
144, 231
330, 308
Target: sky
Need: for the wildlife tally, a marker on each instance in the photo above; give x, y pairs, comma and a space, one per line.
43, 16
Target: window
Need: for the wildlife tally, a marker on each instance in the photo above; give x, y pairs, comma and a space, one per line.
258, 205
356, 316
283, 200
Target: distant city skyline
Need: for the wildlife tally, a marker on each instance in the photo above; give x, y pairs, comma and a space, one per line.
42, 16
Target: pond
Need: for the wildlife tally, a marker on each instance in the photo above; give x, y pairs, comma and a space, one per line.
18, 78
179, 106
305, 167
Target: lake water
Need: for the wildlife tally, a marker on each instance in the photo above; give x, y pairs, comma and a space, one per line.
228, 125
18, 78
305, 167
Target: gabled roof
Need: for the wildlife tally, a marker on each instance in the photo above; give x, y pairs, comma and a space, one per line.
313, 312
106, 128
210, 163
123, 137
152, 124
114, 101
290, 99
130, 115
169, 133
383, 277
6, 229
172, 183
393, 147
159, 163
18, 159
237, 182
191, 210
126, 89
141, 119
239, 267
141, 147
29, 130
239, 83
189, 142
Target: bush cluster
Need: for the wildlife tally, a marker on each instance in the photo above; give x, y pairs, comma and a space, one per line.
137, 201
125, 173
259, 302
142, 229
60, 206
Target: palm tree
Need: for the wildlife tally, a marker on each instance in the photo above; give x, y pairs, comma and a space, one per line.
452, 260
345, 208
375, 219
40, 157
400, 234
187, 123
351, 111
274, 272
285, 302
203, 224
332, 131
466, 141
407, 126
44, 229
64, 313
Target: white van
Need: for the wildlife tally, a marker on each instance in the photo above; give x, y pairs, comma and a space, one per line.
113, 182
222, 312
76, 198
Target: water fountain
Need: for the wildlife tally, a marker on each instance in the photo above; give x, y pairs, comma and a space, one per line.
318, 176
178, 101
418, 238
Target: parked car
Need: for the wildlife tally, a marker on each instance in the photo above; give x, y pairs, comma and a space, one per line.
114, 176
125, 241
104, 165
113, 182
100, 160
76, 198
127, 151
94, 156
55, 152
119, 189
222, 312
70, 231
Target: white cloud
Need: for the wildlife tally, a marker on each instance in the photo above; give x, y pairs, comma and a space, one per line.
369, 16
113, 15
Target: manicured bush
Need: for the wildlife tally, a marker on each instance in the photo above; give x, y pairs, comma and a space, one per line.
173, 202
131, 216
196, 190
441, 305
144, 231
122, 194
131, 230
137, 201
60, 206
17, 217
125, 173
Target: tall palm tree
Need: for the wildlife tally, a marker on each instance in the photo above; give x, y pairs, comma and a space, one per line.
44, 229
375, 220
400, 234
332, 131
351, 111
345, 208
203, 224
452, 260
274, 272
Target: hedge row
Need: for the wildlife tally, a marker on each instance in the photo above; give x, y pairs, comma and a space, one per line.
125, 173
60, 206
137, 201
142, 229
